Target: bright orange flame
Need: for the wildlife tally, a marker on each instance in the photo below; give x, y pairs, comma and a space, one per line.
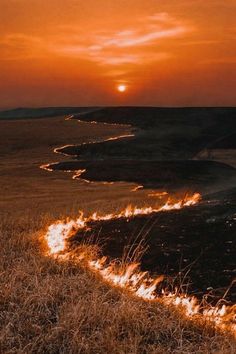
129, 276
61, 231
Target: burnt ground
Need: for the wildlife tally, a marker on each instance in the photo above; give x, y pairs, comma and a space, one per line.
161, 133
193, 247
186, 175
162, 151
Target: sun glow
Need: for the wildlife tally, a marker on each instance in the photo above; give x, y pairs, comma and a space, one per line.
122, 88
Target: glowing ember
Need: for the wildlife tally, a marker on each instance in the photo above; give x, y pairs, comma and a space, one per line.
129, 276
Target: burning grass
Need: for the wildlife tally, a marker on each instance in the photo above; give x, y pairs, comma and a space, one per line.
128, 276
61, 231
62, 307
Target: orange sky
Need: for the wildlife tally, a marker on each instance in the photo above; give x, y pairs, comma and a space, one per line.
76, 52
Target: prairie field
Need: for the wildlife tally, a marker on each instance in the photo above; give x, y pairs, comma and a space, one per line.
117, 177
48, 306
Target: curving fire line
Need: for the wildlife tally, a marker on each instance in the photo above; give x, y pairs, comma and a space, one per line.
60, 150
129, 276
60, 232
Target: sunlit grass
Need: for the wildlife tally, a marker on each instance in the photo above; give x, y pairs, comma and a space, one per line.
54, 307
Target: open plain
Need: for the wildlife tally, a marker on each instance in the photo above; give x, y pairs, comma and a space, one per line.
61, 307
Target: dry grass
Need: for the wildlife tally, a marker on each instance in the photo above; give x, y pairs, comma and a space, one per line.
48, 307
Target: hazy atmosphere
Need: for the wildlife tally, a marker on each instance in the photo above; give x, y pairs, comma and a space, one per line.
76, 52
117, 177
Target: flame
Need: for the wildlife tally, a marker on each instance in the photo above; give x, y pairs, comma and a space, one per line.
157, 194
129, 276
137, 188
60, 150
61, 231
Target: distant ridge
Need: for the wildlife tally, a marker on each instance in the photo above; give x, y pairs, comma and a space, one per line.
119, 111
22, 113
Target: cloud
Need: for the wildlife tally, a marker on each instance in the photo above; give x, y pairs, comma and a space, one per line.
161, 17
201, 42
156, 27
16, 46
137, 39
220, 60
119, 49
117, 60
128, 45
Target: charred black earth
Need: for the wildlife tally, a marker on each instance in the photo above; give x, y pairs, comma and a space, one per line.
187, 175
163, 151
193, 247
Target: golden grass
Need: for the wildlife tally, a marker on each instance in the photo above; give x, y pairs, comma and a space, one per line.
52, 307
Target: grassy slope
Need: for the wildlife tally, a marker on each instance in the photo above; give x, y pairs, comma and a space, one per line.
48, 307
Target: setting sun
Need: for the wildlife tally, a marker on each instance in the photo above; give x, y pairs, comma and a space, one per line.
122, 88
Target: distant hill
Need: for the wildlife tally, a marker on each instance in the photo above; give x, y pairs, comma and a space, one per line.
26, 113
146, 117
